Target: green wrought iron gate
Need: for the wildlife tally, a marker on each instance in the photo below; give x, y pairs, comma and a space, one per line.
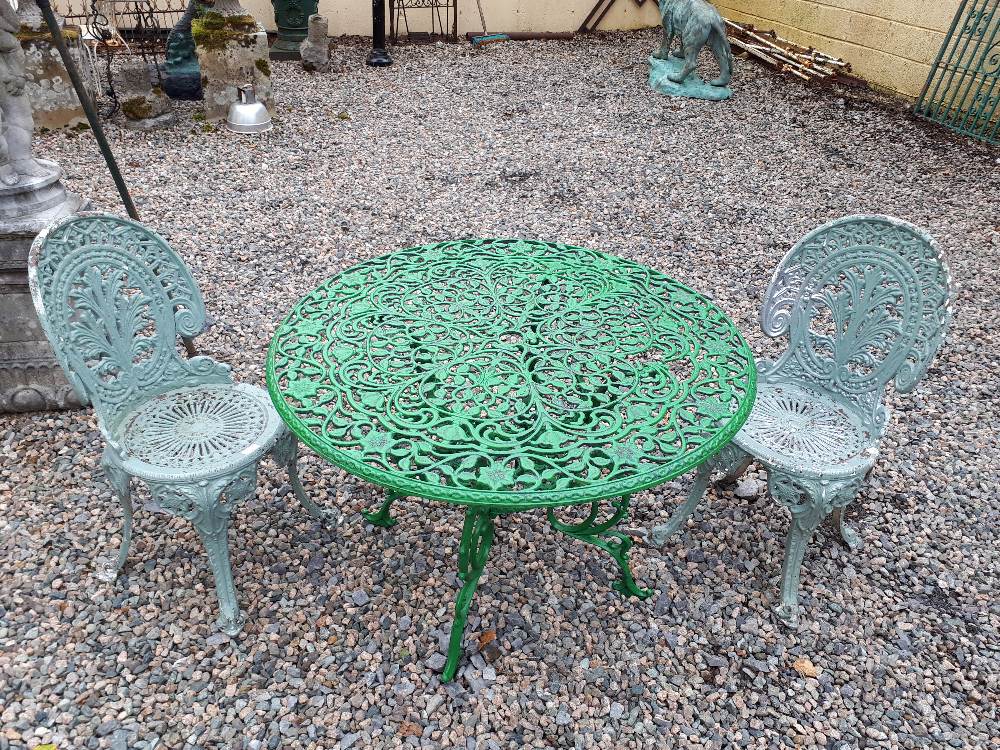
963, 90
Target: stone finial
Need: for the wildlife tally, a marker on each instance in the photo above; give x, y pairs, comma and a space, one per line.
315, 49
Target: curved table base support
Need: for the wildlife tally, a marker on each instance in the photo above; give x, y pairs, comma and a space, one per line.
474, 548
604, 536
381, 517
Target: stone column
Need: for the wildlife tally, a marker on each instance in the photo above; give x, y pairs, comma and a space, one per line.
315, 50
31, 196
54, 103
291, 17
145, 106
232, 52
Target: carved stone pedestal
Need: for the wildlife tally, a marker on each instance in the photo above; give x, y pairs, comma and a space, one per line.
30, 377
54, 102
144, 106
315, 50
232, 52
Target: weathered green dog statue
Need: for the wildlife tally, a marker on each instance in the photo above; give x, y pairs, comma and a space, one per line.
698, 24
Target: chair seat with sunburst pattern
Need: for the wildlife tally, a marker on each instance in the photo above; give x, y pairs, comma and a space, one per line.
200, 432
799, 429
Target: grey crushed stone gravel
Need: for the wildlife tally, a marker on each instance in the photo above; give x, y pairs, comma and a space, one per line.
345, 628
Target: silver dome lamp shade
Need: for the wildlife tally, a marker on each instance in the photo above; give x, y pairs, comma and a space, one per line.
248, 115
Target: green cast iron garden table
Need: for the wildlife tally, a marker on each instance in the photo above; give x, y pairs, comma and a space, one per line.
507, 376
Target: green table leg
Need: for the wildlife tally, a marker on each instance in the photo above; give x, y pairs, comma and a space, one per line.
604, 536
381, 517
477, 536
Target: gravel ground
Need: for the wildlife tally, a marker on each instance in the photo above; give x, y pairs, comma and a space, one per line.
346, 627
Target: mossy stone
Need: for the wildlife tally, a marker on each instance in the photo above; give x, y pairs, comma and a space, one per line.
137, 108
212, 31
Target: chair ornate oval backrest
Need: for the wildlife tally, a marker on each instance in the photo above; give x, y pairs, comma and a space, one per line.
863, 300
112, 298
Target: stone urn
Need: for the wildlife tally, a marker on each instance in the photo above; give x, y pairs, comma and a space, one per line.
292, 20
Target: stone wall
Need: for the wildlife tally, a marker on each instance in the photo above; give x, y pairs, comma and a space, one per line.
891, 43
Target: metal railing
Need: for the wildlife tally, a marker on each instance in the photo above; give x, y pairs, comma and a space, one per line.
963, 90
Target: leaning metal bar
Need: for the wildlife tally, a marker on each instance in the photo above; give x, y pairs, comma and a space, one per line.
958, 64
940, 56
586, 27
963, 88
88, 106
969, 97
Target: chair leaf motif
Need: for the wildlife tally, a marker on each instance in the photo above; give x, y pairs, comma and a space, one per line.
109, 324
862, 300
113, 297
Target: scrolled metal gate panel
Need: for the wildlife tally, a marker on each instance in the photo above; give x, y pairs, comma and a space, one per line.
963, 90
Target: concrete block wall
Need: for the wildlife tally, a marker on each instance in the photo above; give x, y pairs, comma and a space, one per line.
891, 43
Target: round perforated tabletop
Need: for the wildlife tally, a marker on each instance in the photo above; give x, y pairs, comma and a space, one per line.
511, 374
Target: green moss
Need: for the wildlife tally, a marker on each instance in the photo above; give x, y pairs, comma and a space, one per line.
208, 128
198, 117
211, 20
212, 31
263, 66
137, 108
28, 35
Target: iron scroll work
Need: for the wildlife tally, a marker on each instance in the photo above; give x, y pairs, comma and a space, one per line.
510, 374
963, 89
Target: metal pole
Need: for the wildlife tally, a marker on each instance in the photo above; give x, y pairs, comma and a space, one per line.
379, 56
88, 106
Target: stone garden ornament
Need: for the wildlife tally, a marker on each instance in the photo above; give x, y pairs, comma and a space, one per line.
31, 196
113, 298
315, 50
697, 24
863, 302
16, 161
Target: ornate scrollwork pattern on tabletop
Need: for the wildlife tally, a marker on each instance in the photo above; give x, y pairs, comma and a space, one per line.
510, 373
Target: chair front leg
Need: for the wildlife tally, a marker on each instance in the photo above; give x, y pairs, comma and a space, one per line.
209, 505
286, 454
809, 502
121, 487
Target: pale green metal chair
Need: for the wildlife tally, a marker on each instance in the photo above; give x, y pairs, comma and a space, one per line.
863, 301
113, 299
